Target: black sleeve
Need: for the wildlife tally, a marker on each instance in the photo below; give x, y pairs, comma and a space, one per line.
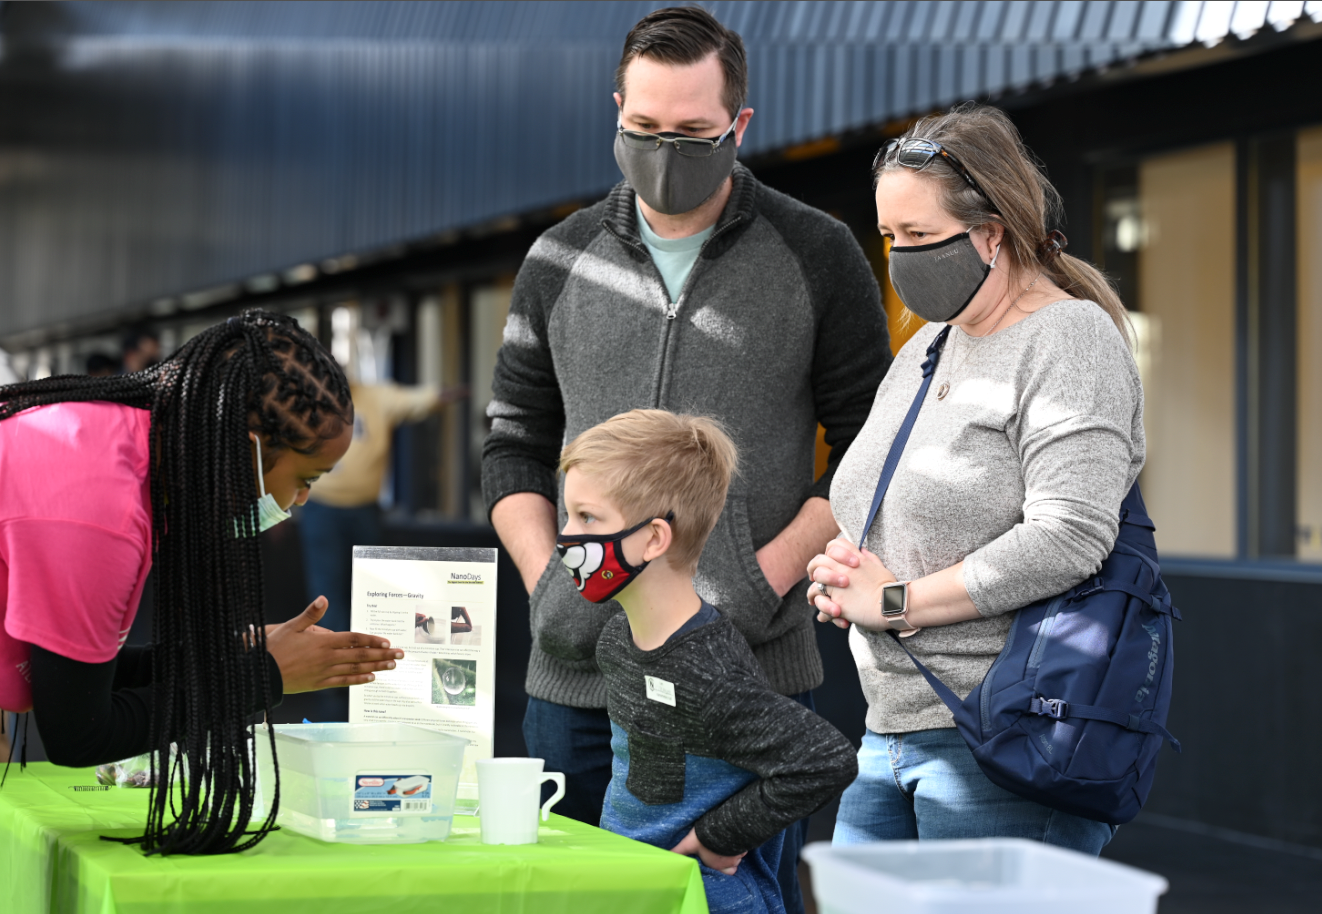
527, 413
852, 351
802, 763
93, 713
132, 667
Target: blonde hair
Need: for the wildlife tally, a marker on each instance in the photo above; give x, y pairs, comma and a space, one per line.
653, 462
1025, 203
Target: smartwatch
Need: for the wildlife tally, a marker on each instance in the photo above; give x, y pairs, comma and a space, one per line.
894, 604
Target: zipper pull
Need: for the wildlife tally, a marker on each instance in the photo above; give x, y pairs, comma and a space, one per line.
670, 314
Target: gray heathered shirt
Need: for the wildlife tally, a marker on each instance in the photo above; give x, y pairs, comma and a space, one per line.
1018, 472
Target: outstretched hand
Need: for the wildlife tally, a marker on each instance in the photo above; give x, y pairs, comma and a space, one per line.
311, 657
691, 846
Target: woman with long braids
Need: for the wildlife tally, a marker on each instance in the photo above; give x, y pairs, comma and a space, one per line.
178, 467
1008, 489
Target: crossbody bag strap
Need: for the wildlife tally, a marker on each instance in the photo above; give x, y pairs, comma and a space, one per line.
902, 436
943, 691
951, 700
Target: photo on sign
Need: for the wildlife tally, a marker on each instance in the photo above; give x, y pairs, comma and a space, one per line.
453, 682
431, 624
465, 628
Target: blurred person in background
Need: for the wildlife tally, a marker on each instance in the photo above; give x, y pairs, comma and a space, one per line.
142, 349
100, 365
343, 510
691, 287
7, 373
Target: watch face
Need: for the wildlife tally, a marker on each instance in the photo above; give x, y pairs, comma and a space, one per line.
892, 600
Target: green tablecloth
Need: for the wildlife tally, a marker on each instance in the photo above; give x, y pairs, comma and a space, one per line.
52, 859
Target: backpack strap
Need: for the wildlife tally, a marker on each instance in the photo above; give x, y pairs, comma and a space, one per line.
902, 436
1156, 605
1136, 518
1057, 709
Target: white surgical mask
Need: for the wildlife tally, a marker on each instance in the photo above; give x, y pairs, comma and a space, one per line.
269, 513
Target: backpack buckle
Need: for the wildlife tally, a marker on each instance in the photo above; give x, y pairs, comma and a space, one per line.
1055, 708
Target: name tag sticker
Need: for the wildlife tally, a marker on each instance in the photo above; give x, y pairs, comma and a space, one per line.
660, 690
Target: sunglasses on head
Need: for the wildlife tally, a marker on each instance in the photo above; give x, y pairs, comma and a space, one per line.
918, 154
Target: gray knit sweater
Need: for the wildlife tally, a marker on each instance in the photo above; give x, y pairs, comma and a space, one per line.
1018, 471
779, 327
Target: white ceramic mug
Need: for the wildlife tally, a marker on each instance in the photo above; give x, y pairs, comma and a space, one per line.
508, 790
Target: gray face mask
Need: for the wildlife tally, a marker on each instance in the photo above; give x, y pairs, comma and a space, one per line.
937, 281
670, 182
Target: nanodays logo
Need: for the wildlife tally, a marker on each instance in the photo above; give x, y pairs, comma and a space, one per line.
1154, 652
463, 577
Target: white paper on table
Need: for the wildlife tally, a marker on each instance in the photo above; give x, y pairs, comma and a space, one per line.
438, 605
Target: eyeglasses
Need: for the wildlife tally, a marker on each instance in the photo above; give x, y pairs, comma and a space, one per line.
691, 146
918, 154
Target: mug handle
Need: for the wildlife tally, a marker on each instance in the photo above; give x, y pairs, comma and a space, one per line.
559, 793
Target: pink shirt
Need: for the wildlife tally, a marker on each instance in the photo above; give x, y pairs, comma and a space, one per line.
75, 535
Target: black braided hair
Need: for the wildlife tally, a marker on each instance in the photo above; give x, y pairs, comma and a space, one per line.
258, 372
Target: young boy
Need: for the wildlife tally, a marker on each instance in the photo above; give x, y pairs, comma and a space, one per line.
709, 760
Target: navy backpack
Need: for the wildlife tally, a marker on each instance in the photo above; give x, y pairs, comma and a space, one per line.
1073, 711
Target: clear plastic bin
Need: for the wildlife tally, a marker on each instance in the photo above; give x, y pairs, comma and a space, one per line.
1009, 875
362, 783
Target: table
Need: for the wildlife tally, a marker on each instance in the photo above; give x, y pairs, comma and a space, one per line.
52, 859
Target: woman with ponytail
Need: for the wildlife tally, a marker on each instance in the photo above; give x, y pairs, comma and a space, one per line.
176, 467
1008, 489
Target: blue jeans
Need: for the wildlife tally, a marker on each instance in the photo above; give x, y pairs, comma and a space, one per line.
927, 785
329, 535
577, 742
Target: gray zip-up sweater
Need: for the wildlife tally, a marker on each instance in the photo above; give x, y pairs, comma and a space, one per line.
779, 327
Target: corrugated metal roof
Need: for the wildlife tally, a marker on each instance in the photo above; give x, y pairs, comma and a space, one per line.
153, 148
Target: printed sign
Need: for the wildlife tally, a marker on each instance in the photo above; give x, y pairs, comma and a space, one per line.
438, 605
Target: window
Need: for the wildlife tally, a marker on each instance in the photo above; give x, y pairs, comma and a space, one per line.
1169, 241
1309, 353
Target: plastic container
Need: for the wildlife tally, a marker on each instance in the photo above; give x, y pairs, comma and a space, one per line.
987, 875
362, 783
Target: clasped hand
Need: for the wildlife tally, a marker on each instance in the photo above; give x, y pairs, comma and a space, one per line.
311, 657
853, 579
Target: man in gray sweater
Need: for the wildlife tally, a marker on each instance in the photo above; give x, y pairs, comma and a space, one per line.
694, 288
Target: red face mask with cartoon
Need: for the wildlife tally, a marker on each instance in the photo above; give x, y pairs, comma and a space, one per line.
597, 562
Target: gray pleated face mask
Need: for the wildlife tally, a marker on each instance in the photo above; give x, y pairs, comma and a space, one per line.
937, 281
672, 183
